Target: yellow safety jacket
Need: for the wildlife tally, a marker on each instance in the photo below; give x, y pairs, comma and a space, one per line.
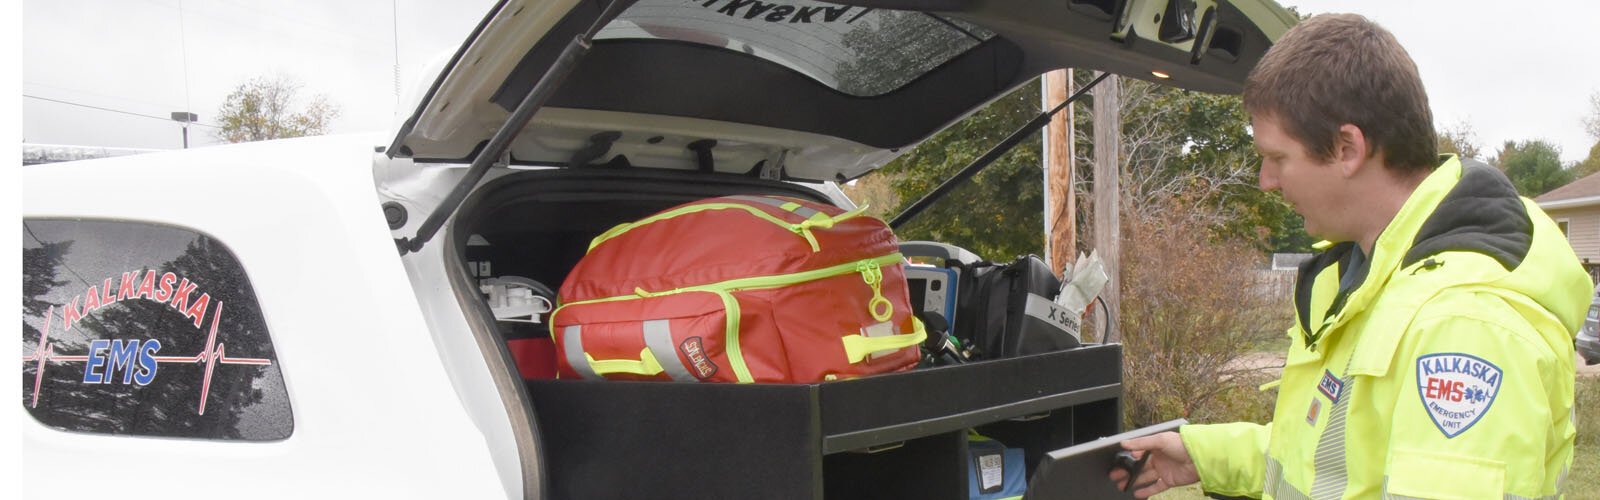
1439, 367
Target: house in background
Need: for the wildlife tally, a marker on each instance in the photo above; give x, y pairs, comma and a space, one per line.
1576, 208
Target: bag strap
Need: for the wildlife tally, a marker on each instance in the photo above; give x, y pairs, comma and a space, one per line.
658, 341
859, 346
572, 349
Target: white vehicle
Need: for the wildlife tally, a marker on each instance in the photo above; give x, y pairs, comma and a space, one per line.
307, 318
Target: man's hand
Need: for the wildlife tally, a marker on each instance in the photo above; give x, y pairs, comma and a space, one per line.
1169, 465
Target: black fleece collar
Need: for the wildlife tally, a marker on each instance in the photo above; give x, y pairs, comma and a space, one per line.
1482, 213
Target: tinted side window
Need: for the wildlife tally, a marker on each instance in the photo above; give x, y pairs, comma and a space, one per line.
144, 329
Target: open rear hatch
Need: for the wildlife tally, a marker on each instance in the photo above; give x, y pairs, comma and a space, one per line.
799, 89
833, 90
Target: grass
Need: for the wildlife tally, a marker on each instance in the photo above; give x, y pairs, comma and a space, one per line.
1583, 483
1274, 341
1584, 480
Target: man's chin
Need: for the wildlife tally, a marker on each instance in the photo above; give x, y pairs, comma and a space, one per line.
1318, 235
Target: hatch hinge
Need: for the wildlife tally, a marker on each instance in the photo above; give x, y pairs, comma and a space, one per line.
703, 159
599, 144
772, 169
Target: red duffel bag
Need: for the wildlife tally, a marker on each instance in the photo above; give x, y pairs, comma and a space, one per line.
738, 289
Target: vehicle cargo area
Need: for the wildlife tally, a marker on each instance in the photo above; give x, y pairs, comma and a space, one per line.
895, 435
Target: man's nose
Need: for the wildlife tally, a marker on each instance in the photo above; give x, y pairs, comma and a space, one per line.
1267, 178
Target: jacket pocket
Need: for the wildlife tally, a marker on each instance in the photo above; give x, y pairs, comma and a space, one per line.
1422, 474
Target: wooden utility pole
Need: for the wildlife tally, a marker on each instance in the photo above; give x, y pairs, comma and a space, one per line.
1061, 207
1107, 193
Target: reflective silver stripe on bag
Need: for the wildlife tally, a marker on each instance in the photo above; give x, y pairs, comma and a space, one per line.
1277, 487
1508, 496
572, 348
801, 210
1331, 478
658, 337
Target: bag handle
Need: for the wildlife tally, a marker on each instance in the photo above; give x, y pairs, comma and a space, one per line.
857, 346
658, 342
646, 365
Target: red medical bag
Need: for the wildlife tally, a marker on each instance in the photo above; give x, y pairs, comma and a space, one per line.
738, 289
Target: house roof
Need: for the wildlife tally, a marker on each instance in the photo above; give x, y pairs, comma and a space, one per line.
1581, 192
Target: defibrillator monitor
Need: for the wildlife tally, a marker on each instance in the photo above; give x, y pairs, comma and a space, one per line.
933, 289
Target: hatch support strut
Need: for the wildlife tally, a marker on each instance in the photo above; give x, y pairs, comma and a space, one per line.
988, 158
501, 141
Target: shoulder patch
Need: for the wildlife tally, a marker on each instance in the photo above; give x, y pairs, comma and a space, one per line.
1456, 389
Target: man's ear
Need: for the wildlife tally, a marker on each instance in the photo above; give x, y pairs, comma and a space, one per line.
1350, 149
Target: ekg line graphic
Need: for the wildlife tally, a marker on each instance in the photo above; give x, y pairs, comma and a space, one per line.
215, 353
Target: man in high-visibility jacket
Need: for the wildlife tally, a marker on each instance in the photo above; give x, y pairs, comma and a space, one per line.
1432, 353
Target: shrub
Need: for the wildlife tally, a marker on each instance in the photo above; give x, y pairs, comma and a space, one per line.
1192, 308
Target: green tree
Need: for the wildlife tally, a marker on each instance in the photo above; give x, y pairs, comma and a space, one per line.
1000, 212
1176, 143
1196, 145
1459, 139
1588, 166
1534, 166
264, 108
1591, 123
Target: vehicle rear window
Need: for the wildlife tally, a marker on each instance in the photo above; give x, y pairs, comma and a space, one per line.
860, 51
133, 328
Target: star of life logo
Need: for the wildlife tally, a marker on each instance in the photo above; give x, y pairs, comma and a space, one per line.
1456, 389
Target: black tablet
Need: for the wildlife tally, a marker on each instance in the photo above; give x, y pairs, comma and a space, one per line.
1083, 470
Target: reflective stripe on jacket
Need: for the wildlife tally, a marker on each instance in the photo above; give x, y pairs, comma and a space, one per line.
1444, 370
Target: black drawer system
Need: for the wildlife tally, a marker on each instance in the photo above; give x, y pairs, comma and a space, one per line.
900, 435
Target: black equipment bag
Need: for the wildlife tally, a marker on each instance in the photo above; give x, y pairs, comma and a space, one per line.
1007, 310
1003, 310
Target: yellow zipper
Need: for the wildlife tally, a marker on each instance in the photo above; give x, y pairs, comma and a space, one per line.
802, 228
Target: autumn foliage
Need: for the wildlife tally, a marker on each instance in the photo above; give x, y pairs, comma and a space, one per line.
1194, 312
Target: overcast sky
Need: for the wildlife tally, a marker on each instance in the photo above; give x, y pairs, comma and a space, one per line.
153, 57
1512, 70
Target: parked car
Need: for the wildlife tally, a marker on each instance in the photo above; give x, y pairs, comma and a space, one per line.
308, 318
1588, 341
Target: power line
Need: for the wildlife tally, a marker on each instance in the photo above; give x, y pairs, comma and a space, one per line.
79, 91
70, 103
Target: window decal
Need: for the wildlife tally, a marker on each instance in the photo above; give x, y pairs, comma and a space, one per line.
134, 328
134, 359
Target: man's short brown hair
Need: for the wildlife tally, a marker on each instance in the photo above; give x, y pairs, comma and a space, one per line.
1335, 69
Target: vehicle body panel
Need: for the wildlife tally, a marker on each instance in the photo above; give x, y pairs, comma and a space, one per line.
381, 406
1588, 339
